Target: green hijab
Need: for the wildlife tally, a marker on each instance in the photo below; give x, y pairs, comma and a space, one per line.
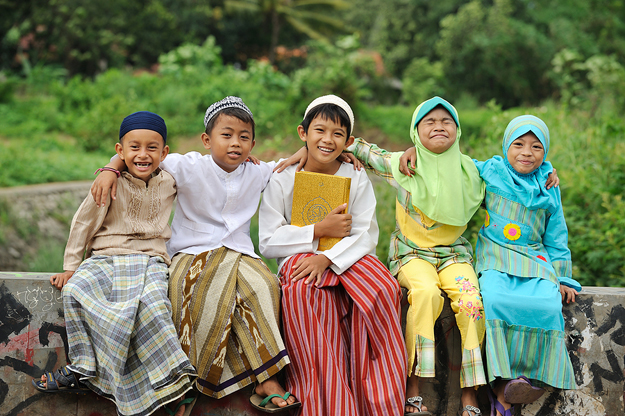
446, 187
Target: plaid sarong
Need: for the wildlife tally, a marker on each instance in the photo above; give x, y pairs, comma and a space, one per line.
226, 308
121, 336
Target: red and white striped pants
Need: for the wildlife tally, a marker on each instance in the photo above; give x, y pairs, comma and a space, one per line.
345, 342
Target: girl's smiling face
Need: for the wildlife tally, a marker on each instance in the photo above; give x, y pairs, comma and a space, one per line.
526, 153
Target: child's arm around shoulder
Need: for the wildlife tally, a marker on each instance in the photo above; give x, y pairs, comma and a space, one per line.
374, 158
300, 158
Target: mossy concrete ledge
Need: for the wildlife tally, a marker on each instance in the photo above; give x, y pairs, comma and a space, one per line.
33, 340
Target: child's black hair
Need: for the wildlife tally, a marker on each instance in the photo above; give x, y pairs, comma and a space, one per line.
329, 112
233, 112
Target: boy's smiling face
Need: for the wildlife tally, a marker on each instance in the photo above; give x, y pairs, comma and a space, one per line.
526, 153
437, 130
326, 139
230, 141
142, 150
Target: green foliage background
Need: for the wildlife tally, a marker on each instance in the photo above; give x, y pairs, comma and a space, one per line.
70, 71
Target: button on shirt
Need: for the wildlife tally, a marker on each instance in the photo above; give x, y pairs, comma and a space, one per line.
214, 207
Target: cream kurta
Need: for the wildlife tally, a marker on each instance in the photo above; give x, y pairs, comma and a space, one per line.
131, 224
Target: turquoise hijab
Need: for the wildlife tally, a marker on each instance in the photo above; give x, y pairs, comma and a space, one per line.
528, 189
446, 187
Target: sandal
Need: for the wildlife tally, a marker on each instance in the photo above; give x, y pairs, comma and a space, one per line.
416, 401
473, 411
62, 380
521, 390
496, 406
264, 404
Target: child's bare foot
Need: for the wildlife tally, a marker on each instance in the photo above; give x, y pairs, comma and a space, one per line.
468, 398
271, 386
412, 390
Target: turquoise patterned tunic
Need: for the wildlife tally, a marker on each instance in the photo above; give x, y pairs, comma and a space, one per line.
522, 258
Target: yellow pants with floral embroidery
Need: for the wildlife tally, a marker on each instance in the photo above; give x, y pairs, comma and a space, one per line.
424, 284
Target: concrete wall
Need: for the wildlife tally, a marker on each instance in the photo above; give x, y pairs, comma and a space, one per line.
33, 340
35, 218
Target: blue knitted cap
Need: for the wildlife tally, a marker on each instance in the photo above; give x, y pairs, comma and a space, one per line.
143, 120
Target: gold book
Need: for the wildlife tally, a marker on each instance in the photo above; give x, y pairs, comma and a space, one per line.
314, 196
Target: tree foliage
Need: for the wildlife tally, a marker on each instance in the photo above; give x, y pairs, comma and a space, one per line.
310, 17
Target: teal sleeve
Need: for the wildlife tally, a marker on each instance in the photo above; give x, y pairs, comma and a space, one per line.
556, 240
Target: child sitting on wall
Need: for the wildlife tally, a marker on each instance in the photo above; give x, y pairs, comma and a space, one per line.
525, 270
225, 301
122, 341
340, 307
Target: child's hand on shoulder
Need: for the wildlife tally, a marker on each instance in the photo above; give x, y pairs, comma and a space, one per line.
312, 266
60, 279
350, 158
300, 157
253, 159
105, 181
552, 180
407, 161
568, 293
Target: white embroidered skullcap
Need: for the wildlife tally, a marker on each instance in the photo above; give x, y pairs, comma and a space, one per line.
333, 99
228, 102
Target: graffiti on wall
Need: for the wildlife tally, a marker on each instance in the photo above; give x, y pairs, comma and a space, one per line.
33, 340
17, 346
595, 337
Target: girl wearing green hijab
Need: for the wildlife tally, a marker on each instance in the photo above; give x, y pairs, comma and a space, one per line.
427, 251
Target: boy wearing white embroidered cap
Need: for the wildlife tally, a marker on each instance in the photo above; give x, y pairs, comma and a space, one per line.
225, 301
340, 307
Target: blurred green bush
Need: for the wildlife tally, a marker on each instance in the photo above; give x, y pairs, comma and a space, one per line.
58, 129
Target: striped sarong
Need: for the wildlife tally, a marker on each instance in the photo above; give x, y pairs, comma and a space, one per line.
226, 308
121, 336
345, 341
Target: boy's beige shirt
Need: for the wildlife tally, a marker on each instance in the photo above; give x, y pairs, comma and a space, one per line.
137, 222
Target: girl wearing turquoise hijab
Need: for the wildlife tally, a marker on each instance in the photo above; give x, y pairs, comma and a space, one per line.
427, 251
525, 268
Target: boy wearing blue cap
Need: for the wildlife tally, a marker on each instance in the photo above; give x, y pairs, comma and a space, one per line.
122, 341
225, 301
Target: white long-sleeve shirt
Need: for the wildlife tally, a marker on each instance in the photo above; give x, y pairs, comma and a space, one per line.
214, 207
279, 239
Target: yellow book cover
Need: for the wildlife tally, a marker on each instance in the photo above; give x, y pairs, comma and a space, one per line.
314, 196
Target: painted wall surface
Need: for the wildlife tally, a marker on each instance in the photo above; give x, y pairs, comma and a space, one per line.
33, 340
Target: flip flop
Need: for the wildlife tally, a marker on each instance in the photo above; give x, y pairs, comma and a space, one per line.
521, 390
472, 410
189, 406
264, 404
62, 380
496, 406
416, 401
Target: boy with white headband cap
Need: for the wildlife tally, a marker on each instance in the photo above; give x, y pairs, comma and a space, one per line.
340, 307
225, 301
122, 341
